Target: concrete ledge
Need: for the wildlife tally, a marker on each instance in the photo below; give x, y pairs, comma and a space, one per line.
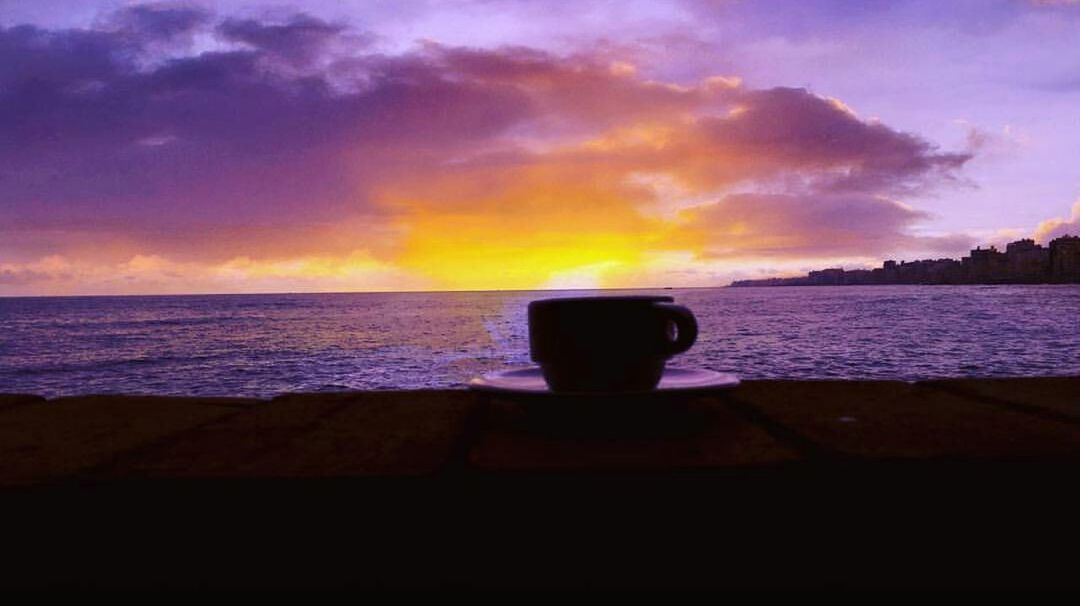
45, 440
651, 434
9, 400
313, 436
1052, 396
778, 484
895, 420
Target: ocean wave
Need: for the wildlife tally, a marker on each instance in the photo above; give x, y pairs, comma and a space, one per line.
267, 344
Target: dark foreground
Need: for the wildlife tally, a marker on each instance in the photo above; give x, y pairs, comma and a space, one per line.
965, 484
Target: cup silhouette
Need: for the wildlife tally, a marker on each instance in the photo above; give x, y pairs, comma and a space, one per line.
607, 344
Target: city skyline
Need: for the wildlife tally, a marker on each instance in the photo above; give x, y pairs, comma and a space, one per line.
227, 146
1022, 262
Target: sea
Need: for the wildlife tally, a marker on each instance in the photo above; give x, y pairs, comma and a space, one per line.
262, 345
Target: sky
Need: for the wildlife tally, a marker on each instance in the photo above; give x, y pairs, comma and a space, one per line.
226, 146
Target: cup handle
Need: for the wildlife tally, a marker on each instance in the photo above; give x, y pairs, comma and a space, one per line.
686, 324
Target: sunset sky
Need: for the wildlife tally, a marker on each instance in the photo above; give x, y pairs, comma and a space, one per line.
227, 146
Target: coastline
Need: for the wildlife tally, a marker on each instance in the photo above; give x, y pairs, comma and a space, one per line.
1022, 262
802, 281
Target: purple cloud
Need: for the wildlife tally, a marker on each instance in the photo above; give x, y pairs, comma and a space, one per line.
796, 129
93, 140
21, 277
298, 41
155, 23
819, 225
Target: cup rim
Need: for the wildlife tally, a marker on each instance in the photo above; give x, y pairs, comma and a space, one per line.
602, 299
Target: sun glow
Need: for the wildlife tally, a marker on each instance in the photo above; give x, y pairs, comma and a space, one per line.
485, 254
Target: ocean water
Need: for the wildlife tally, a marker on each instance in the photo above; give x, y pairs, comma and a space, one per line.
261, 345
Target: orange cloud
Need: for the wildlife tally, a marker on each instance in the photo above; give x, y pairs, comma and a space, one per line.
1055, 228
603, 204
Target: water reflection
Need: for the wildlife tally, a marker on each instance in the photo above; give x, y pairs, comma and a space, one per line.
265, 344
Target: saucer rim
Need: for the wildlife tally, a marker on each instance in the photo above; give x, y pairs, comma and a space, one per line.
724, 381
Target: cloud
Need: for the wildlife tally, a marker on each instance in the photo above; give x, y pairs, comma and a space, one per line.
796, 176
91, 138
22, 277
300, 40
1057, 227
787, 226
291, 139
149, 274
792, 133
155, 23
579, 88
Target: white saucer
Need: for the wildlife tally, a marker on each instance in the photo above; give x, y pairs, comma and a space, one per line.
530, 380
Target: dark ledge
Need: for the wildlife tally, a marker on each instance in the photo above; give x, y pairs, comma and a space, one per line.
778, 484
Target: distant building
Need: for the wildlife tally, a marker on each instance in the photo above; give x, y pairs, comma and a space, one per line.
830, 277
1027, 261
1065, 259
985, 266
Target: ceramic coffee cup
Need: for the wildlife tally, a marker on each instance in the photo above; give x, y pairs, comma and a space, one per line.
607, 344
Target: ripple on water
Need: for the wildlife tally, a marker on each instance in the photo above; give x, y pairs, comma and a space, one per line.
261, 345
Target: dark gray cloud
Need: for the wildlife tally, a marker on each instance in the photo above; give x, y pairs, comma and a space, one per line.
299, 40
22, 277
790, 129
789, 226
158, 22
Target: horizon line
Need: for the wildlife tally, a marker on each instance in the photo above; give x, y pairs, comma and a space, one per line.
361, 292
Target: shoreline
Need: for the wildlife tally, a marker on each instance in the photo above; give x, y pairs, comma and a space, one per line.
737, 284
